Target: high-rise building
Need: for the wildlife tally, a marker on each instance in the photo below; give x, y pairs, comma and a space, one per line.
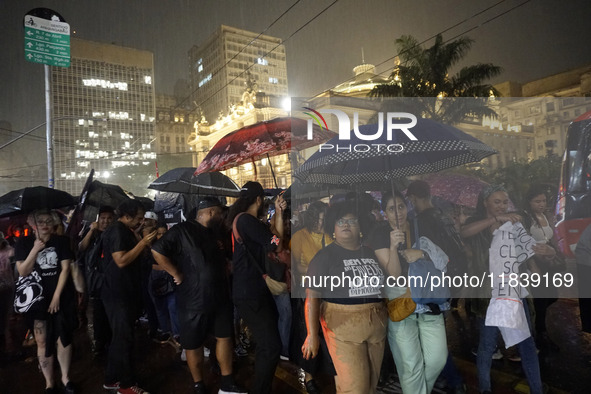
104, 116
174, 125
230, 61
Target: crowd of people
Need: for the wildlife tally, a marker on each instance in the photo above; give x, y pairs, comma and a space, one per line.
226, 268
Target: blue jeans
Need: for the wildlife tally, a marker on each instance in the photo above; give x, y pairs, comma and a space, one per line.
167, 314
283, 302
527, 351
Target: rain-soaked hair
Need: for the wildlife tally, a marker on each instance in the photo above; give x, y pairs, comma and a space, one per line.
130, 207
312, 215
387, 196
484, 194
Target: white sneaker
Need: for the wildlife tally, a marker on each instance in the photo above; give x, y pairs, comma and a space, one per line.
206, 351
184, 355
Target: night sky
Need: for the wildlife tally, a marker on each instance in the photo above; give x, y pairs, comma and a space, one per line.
536, 39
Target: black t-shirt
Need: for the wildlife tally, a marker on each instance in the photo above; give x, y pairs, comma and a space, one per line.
358, 273
48, 262
248, 282
380, 239
121, 284
194, 250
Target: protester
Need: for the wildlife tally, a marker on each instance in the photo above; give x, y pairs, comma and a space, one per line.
162, 291
122, 293
539, 225
252, 297
100, 322
439, 228
478, 231
53, 319
583, 254
6, 289
353, 315
305, 243
418, 342
190, 253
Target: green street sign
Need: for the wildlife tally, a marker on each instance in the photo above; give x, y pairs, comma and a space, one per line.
47, 41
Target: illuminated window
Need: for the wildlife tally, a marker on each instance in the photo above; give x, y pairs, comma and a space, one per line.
262, 62
205, 80
273, 80
147, 80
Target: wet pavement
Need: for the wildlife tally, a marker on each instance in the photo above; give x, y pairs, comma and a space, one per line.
161, 371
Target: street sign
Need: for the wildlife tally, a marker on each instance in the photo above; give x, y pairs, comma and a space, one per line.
47, 41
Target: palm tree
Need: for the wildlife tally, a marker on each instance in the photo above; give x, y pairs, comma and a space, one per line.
425, 73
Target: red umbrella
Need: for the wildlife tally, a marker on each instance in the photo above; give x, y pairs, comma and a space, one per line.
260, 140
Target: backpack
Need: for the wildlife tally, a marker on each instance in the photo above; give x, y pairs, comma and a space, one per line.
95, 270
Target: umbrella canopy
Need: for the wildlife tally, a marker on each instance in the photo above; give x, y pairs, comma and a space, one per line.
182, 180
100, 195
374, 163
257, 141
32, 198
455, 188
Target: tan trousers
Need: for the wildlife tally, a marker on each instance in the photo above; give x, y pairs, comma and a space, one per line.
355, 336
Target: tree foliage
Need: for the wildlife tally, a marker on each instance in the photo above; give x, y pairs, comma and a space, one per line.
425, 72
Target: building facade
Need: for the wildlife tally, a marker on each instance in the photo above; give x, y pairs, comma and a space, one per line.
229, 62
104, 116
174, 125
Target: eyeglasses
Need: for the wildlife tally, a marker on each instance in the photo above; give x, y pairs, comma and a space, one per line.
350, 222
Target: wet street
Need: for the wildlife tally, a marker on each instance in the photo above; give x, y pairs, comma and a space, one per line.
161, 371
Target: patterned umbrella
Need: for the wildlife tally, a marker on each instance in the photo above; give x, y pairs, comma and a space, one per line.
455, 188
375, 163
257, 141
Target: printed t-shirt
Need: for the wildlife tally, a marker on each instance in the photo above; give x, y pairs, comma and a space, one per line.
48, 261
344, 276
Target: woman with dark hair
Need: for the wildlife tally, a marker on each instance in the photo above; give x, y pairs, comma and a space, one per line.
252, 297
541, 228
352, 314
305, 243
478, 233
418, 342
54, 320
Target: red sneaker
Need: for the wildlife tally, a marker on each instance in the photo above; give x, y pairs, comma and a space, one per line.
132, 390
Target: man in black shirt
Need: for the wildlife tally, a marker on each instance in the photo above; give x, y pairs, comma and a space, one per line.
121, 293
190, 252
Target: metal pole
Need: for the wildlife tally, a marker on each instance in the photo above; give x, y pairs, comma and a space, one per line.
48, 130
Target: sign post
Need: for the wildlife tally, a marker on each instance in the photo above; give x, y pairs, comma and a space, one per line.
47, 41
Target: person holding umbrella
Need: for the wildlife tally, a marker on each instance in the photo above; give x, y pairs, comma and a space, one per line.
252, 297
54, 318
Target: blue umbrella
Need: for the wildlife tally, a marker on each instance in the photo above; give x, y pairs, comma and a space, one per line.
373, 163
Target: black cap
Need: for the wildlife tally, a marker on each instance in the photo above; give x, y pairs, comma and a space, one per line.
252, 189
208, 202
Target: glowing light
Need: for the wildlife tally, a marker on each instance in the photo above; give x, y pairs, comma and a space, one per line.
101, 83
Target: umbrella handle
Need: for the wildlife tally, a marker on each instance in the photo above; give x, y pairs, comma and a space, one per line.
272, 172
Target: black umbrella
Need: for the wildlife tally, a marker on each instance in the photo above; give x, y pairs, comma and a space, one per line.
32, 198
99, 195
181, 180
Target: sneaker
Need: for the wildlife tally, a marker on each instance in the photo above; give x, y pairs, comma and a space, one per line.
69, 388
497, 355
132, 390
232, 389
184, 356
206, 352
199, 388
284, 358
240, 351
111, 386
160, 337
